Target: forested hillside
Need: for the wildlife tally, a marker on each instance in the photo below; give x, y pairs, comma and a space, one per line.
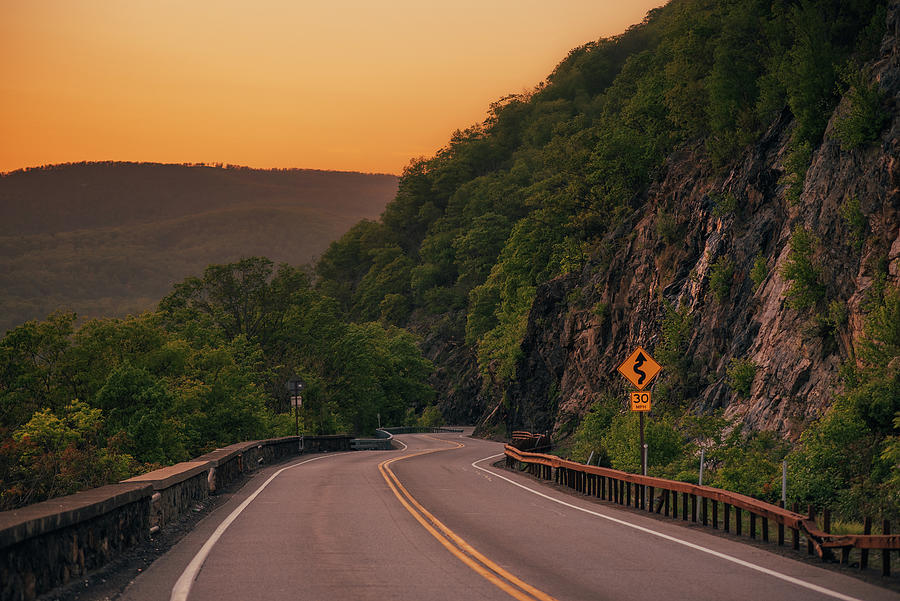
717, 184
108, 239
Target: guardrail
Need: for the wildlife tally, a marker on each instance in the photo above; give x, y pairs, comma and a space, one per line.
534, 443
384, 437
661, 496
420, 430
383, 441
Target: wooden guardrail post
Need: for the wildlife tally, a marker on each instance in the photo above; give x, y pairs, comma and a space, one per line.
726, 526
781, 527
796, 531
812, 518
715, 514
704, 511
864, 553
885, 553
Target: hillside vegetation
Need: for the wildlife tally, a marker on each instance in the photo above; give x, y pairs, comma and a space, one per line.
85, 406
108, 239
713, 184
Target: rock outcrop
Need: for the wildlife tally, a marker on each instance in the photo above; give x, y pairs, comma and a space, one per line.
583, 325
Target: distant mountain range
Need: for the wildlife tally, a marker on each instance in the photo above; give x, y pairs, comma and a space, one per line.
108, 239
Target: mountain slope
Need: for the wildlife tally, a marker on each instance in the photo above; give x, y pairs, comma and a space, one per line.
106, 239
699, 134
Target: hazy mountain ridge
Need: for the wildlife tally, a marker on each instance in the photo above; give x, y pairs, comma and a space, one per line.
106, 239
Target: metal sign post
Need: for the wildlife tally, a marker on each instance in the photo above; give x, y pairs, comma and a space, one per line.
295, 386
640, 369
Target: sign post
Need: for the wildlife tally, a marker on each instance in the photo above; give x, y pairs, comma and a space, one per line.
640, 369
294, 387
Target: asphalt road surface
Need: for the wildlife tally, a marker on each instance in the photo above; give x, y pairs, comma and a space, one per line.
436, 521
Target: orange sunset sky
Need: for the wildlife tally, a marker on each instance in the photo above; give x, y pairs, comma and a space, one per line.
338, 84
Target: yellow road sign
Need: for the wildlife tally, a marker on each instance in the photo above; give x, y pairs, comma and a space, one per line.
640, 401
639, 368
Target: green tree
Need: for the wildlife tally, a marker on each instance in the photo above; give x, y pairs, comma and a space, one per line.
805, 288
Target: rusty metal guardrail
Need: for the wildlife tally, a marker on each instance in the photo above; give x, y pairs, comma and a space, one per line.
701, 504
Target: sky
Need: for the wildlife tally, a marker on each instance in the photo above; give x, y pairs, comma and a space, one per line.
347, 85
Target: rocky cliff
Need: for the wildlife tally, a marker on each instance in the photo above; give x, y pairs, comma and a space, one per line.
697, 221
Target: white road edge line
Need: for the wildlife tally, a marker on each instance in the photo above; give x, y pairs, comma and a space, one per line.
183, 585
741, 562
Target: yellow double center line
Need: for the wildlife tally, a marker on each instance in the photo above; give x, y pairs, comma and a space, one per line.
463, 551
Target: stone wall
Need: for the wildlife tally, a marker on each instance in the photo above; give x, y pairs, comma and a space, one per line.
49, 544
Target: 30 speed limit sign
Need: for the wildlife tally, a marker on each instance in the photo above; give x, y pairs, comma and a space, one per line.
640, 401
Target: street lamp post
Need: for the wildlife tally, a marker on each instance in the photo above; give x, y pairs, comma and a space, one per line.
295, 386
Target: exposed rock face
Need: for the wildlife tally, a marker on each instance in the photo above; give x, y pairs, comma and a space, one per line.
582, 326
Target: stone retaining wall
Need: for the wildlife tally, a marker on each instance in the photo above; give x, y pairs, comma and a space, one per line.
49, 544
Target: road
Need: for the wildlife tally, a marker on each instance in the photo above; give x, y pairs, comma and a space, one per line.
437, 521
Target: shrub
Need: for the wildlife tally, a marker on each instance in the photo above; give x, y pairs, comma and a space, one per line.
861, 118
666, 227
725, 204
740, 375
593, 428
751, 465
796, 164
664, 444
721, 274
759, 272
855, 220
805, 289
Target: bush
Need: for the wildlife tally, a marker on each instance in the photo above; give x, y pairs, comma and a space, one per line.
666, 227
664, 444
796, 164
759, 271
740, 375
55, 455
721, 274
751, 465
855, 220
726, 204
805, 289
862, 117
592, 429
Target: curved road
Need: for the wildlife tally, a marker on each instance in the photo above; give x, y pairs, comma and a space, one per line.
436, 521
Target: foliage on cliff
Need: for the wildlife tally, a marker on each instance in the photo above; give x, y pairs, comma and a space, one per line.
550, 184
529, 193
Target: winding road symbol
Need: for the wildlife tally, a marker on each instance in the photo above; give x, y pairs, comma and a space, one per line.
640, 360
640, 368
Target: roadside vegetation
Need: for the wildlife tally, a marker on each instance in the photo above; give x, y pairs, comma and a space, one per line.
85, 406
